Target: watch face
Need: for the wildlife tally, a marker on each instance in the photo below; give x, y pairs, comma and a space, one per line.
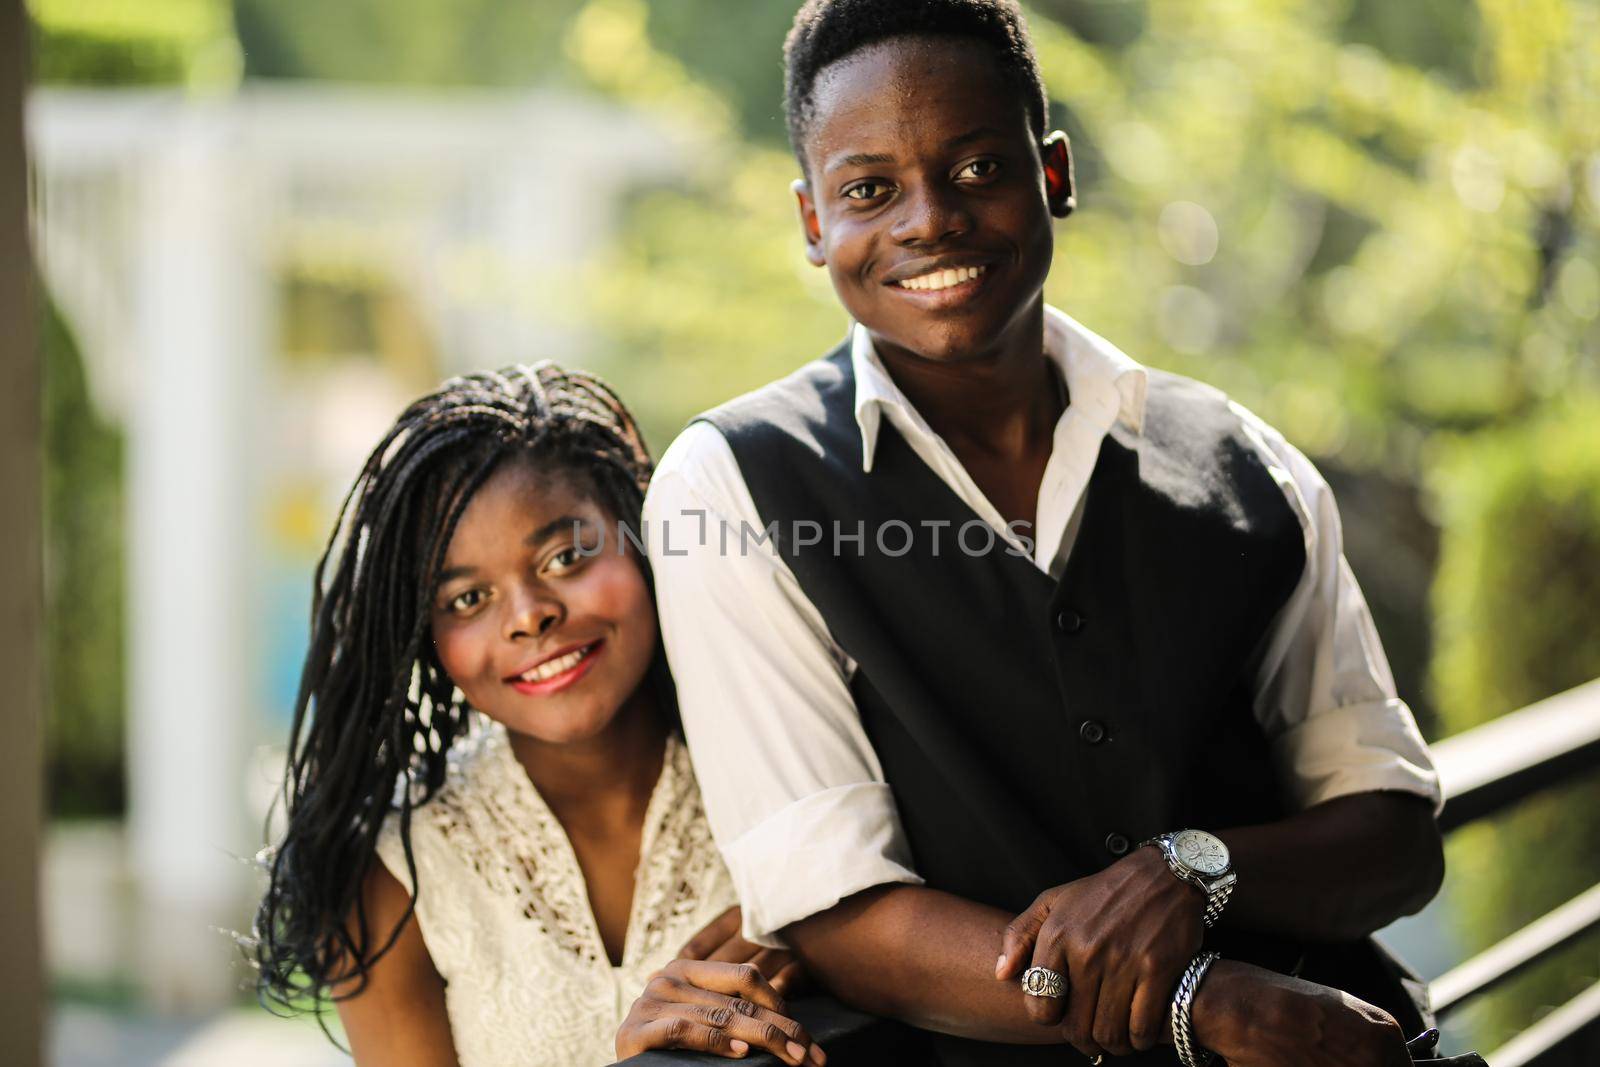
1202, 852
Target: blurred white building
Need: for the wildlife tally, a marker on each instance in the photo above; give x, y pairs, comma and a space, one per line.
258, 282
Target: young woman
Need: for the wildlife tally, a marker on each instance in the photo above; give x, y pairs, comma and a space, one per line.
495, 842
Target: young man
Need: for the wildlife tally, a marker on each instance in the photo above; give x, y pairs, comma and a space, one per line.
1029, 604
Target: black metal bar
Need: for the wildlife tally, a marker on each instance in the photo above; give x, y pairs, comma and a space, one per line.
1567, 1037
1516, 953
1491, 767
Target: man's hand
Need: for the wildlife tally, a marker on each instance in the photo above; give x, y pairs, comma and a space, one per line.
1122, 939
720, 942
1253, 1017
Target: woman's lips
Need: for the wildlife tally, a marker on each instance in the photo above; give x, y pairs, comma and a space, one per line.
557, 682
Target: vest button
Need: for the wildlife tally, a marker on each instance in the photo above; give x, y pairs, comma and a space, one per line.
1091, 732
1117, 844
1069, 621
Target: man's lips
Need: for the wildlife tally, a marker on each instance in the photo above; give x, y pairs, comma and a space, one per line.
945, 288
556, 670
927, 268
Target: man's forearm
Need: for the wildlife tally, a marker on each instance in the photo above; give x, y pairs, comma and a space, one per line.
1336, 871
921, 956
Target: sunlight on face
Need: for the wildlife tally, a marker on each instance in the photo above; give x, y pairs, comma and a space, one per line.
542, 632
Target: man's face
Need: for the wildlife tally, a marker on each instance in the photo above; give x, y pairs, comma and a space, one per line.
926, 197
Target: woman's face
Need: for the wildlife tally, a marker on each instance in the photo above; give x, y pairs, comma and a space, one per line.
540, 636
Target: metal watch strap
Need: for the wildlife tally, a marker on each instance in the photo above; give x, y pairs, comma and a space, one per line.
1216, 900
1189, 1053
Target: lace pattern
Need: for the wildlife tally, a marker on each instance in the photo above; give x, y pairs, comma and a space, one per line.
505, 912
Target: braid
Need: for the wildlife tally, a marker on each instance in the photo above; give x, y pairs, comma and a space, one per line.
376, 713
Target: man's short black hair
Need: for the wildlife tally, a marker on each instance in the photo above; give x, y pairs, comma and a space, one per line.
825, 31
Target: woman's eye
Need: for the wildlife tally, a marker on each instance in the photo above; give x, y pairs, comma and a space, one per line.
464, 602
565, 560
866, 191
979, 169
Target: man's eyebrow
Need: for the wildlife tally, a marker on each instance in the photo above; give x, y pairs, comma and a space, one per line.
973, 135
573, 522
859, 159
877, 159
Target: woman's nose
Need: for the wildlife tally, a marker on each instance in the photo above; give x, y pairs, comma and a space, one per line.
535, 612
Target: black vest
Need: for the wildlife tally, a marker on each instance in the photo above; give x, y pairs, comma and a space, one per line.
1032, 731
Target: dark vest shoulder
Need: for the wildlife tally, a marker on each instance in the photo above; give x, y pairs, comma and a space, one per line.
812, 405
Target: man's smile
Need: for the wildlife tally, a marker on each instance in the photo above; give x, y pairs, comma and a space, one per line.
934, 283
941, 279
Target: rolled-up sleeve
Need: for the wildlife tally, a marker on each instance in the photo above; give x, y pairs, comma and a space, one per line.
793, 789
1324, 693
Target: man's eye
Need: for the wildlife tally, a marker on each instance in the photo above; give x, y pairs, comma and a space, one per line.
866, 191
979, 169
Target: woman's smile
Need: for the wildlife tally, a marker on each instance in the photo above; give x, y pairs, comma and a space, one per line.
540, 632
557, 671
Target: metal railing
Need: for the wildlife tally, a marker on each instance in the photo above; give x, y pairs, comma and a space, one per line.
1484, 771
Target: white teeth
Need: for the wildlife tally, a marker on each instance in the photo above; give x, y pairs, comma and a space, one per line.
551, 668
941, 279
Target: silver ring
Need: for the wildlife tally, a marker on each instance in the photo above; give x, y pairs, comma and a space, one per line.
1098, 1060
1043, 982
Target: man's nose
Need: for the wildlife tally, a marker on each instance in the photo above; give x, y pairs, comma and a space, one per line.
535, 611
930, 213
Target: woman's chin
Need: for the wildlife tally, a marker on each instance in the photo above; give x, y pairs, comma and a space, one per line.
546, 732
553, 727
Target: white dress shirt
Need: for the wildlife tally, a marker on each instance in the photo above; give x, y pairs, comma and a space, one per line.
794, 791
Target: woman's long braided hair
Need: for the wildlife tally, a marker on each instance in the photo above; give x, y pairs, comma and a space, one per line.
376, 713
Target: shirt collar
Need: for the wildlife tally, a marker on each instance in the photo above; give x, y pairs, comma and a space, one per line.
1104, 383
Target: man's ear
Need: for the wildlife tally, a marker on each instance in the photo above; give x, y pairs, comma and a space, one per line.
1060, 186
810, 225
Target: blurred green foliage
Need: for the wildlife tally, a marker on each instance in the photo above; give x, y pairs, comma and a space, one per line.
418, 42
84, 648
115, 42
1516, 603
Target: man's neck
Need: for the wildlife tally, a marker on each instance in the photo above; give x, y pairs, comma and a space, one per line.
1003, 403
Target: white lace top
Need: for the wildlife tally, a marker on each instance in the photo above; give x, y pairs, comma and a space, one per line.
505, 912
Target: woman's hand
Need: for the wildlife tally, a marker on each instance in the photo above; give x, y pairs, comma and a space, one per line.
1253, 1017
722, 1008
1122, 939
720, 942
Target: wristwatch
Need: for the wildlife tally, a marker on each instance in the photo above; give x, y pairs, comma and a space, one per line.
1202, 860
